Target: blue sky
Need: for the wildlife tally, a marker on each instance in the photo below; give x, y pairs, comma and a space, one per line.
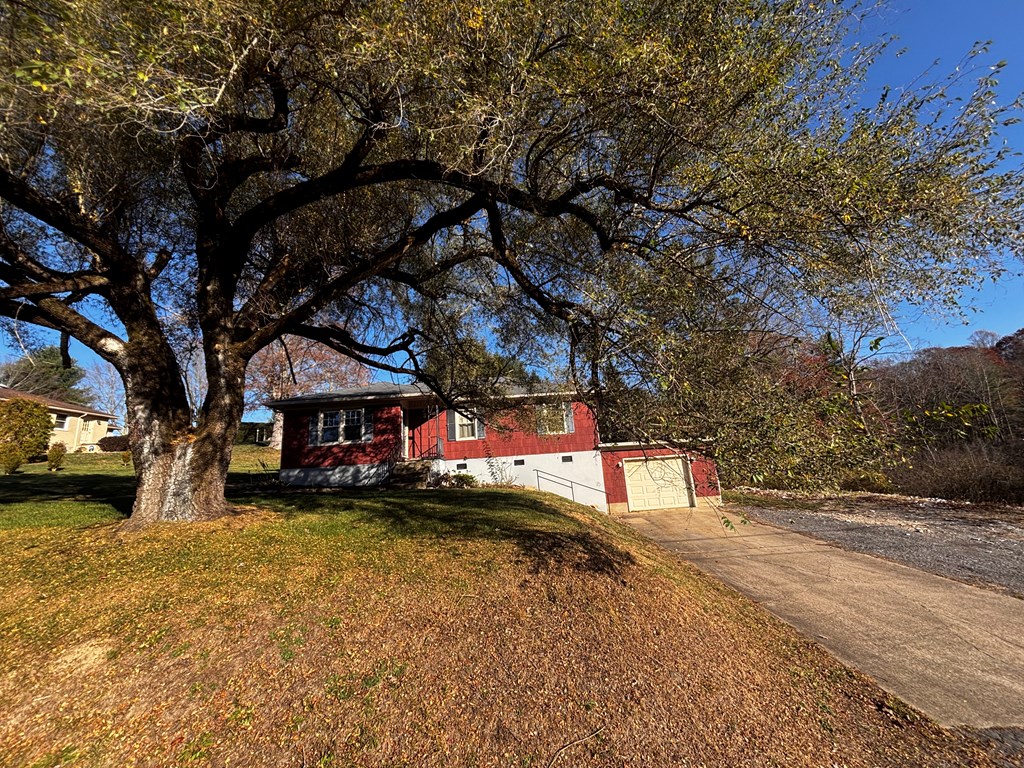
945, 30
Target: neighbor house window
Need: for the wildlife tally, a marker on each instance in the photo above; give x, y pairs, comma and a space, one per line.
60, 421
462, 427
351, 426
555, 419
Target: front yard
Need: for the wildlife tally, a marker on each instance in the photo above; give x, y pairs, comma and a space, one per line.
433, 628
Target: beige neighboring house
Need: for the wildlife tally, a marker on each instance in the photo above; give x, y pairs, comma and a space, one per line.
77, 426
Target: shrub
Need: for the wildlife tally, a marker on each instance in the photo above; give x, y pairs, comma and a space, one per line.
126, 458
462, 480
11, 458
113, 443
454, 480
55, 456
871, 481
973, 471
26, 426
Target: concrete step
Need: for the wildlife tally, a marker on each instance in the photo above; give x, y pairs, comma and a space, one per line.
410, 474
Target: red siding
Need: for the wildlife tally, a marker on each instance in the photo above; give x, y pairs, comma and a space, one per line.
296, 451
514, 437
511, 438
705, 475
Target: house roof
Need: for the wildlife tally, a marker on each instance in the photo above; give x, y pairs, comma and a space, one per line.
382, 390
6, 393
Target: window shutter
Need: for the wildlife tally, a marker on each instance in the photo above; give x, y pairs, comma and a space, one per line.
570, 420
450, 418
314, 428
481, 433
367, 425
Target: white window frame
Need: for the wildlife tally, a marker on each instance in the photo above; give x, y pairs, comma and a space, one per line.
455, 420
346, 417
60, 421
462, 421
546, 411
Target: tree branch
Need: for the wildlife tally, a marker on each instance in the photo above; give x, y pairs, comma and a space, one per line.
564, 310
226, 124
163, 258
346, 344
74, 225
365, 269
339, 335
20, 264
56, 315
349, 176
417, 280
336, 181
80, 282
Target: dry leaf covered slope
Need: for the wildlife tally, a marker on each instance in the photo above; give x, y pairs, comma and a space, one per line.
465, 628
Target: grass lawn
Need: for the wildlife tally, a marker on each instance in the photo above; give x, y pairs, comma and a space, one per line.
430, 628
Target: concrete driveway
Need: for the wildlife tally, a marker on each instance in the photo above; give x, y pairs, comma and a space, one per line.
953, 651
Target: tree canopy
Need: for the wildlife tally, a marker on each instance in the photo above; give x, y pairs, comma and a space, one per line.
598, 185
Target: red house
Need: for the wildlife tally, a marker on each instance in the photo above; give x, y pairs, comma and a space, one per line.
362, 436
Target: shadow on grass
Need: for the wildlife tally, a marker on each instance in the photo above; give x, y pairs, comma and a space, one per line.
546, 537
116, 490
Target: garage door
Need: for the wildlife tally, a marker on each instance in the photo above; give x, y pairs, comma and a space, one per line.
657, 483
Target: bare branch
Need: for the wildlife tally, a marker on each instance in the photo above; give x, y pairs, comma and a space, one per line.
163, 258
365, 269
74, 225
82, 283
58, 316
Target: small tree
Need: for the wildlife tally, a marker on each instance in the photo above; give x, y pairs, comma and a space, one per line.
26, 426
55, 456
11, 458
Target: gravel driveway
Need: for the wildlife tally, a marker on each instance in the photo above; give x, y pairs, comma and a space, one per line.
981, 544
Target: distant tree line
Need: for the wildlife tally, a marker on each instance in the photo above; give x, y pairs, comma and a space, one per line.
958, 413
941, 422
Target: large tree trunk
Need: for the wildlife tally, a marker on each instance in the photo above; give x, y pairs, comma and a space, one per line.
181, 469
183, 481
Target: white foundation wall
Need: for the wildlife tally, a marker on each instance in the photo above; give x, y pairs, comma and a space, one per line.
335, 477
581, 479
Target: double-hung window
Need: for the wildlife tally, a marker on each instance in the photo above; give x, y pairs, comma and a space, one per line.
353, 429
60, 421
354, 425
463, 427
555, 419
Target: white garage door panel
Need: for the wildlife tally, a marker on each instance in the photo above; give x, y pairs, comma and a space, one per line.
657, 483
